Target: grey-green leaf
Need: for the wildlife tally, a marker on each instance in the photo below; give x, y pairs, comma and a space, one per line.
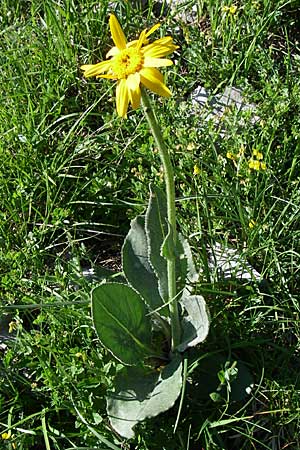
167, 249
137, 268
156, 230
195, 324
190, 271
185, 269
121, 322
140, 394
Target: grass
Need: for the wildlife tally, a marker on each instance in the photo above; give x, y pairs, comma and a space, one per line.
73, 175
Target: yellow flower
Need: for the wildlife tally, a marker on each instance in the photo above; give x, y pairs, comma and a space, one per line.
254, 164
197, 170
132, 64
190, 146
241, 151
230, 155
252, 223
12, 326
231, 9
263, 166
6, 436
258, 154
81, 355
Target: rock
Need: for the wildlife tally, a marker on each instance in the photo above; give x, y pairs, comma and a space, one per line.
228, 263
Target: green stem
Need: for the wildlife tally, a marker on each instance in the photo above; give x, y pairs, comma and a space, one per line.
170, 191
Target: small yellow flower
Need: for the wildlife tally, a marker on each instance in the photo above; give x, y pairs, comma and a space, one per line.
132, 64
241, 151
257, 153
253, 164
6, 436
81, 355
12, 326
190, 146
229, 9
262, 123
252, 223
263, 166
197, 170
230, 155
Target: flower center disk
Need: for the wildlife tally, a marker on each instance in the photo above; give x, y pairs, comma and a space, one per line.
126, 62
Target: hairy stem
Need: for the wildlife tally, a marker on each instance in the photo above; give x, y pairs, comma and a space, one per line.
170, 192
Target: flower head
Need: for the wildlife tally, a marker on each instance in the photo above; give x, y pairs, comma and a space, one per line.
231, 9
6, 436
132, 64
263, 166
258, 154
12, 326
197, 170
241, 151
253, 164
231, 155
256, 162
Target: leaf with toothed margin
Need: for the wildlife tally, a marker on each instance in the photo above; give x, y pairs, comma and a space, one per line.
137, 268
156, 226
192, 275
161, 246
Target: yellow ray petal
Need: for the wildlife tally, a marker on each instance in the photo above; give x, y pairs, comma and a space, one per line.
145, 41
152, 79
132, 43
157, 62
86, 67
90, 70
112, 52
166, 40
157, 50
156, 73
133, 85
108, 76
135, 98
133, 81
141, 40
117, 33
122, 98
152, 29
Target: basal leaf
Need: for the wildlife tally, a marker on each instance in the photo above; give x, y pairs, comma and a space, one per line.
195, 324
185, 254
161, 247
137, 268
167, 249
140, 394
121, 322
156, 226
